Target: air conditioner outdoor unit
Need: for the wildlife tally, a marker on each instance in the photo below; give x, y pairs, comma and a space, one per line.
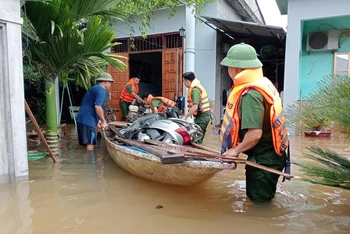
322, 40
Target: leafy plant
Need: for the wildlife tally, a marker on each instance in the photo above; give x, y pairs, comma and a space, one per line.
146, 8
331, 168
34, 86
32, 78
330, 101
58, 42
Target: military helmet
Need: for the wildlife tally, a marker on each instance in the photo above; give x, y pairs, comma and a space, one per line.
241, 56
105, 77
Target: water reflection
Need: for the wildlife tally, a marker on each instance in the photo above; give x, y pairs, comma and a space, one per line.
87, 193
15, 208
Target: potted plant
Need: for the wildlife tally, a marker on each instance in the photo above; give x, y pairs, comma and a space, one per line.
320, 128
331, 101
310, 119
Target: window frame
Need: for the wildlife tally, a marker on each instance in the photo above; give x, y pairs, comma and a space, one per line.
335, 69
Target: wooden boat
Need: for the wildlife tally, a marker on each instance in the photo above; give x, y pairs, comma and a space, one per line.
147, 166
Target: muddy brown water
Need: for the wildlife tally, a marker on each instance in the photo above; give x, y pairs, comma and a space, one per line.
87, 193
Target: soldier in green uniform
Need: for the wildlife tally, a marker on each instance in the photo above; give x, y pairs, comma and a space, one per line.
198, 102
247, 129
129, 92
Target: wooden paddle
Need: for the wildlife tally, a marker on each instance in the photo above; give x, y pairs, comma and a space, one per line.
39, 131
252, 164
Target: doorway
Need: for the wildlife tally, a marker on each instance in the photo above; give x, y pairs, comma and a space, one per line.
147, 66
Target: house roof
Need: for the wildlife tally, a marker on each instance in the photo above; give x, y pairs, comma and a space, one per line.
249, 15
241, 29
282, 6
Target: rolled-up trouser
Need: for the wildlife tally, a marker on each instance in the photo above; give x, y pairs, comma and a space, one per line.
260, 184
125, 108
202, 120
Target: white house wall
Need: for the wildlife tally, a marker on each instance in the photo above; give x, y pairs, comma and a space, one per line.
299, 10
206, 46
161, 23
205, 61
13, 144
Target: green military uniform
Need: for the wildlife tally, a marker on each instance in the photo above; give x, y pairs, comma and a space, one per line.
201, 119
155, 103
254, 114
125, 105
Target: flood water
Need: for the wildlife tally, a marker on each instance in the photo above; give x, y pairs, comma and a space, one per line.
87, 193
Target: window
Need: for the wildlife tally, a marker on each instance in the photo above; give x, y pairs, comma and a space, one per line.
341, 64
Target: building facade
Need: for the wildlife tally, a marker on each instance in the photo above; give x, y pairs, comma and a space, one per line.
160, 59
318, 44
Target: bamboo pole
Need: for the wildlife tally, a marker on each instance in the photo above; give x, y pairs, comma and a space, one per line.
39, 131
217, 153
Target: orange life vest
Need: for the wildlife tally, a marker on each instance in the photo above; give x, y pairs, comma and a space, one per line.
125, 95
203, 104
165, 102
253, 79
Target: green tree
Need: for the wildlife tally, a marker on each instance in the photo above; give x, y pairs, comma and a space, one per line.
57, 45
330, 101
326, 167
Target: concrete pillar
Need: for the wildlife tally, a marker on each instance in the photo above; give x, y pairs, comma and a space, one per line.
292, 66
189, 46
13, 143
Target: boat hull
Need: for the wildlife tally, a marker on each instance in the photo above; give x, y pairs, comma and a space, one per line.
147, 166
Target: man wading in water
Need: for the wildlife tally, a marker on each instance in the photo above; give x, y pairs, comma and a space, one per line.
246, 127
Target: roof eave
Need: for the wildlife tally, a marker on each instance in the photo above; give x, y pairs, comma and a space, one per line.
282, 6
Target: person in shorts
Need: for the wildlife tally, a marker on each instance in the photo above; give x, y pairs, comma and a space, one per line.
90, 116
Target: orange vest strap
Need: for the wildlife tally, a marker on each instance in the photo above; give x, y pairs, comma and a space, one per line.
251, 79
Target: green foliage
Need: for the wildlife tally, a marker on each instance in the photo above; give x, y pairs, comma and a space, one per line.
61, 45
68, 36
34, 86
331, 168
329, 102
146, 8
32, 78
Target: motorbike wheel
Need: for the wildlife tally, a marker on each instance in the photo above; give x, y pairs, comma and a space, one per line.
110, 117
